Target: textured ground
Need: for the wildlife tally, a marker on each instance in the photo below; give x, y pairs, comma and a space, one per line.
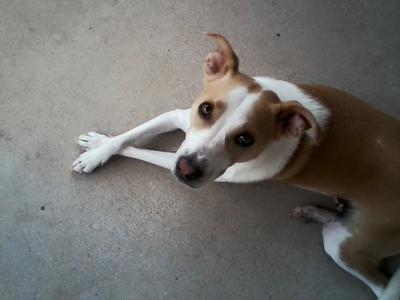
130, 230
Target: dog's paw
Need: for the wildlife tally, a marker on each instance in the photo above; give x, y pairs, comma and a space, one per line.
100, 149
91, 159
92, 140
306, 213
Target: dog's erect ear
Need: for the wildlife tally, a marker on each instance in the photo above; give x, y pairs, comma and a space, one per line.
294, 119
222, 61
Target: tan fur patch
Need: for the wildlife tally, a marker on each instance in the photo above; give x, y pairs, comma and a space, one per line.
218, 109
254, 87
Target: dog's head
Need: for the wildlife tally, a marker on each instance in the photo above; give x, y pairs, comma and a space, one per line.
233, 120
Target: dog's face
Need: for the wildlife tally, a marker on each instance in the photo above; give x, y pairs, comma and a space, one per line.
233, 120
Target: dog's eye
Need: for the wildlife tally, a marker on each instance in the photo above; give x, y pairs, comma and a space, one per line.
244, 139
205, 110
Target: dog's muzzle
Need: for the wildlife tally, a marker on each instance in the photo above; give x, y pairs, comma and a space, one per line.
189, 169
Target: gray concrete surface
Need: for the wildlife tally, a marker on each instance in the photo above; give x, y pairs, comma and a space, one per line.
130, 231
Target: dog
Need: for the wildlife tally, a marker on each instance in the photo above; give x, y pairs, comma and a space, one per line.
247, 129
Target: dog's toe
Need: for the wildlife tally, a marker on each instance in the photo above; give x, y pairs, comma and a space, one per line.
85, 163
80, 163
77, 166
305, 213
309, 213
341, 204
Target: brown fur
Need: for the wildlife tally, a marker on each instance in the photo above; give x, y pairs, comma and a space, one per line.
358, 160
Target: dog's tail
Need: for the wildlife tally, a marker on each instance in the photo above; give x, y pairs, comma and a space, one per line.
392, 291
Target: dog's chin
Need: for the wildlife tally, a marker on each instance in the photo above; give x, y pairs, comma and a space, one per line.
193, 184
197, 184
204, 181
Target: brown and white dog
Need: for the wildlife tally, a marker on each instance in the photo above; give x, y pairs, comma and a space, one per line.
247, 129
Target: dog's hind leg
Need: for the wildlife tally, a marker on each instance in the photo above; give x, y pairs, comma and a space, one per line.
345, 248
349, 252
88, 161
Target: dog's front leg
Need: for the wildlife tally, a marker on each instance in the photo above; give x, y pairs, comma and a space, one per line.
88, 161
158, 158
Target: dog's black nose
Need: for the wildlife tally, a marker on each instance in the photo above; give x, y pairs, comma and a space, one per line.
188, 169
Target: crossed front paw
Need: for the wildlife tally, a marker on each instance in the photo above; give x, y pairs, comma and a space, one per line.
99, 148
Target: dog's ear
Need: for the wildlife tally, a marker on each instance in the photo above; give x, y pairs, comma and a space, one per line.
294, 119
222, 61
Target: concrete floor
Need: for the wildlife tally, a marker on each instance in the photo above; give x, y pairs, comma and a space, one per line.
130, 230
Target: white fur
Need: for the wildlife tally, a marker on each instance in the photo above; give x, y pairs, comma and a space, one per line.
99, 152
334, 235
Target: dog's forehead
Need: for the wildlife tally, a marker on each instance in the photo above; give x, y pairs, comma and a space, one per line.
240, 102
231, 93
239, 107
